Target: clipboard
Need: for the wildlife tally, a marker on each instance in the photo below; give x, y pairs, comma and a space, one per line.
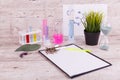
73, 61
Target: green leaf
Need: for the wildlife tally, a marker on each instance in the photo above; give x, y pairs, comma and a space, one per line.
28, 47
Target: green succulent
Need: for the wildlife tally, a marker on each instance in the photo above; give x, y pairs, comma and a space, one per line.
93, 21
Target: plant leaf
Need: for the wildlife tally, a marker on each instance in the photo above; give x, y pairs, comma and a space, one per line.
93, 21
28, 47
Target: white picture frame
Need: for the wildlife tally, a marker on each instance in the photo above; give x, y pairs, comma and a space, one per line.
83, 8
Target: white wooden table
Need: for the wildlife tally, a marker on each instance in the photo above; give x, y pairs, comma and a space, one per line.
37, 67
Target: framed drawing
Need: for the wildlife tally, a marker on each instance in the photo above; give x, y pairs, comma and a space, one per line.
76, 12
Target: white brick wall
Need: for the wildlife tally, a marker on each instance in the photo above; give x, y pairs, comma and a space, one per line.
16, 15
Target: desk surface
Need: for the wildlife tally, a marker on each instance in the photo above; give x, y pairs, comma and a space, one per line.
36, 67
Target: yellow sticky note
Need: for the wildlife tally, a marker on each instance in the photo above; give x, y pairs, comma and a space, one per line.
78, 49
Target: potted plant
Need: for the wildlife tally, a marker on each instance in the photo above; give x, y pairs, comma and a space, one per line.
92, 26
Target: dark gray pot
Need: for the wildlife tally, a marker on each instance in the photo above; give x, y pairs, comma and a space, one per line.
91, 38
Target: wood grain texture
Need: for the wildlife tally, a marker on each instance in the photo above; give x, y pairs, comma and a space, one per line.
17, 15
35, 67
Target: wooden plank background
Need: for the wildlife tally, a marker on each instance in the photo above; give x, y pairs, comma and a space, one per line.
17, 15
